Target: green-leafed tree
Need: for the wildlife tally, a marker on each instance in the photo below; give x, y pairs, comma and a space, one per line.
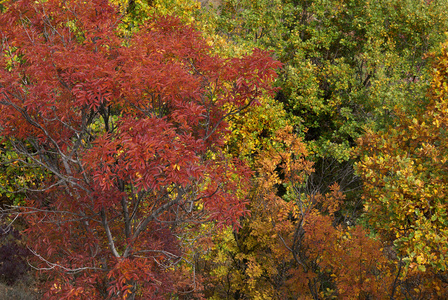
347, 64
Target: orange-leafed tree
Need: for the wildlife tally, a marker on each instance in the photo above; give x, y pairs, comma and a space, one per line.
292, 245
127, 131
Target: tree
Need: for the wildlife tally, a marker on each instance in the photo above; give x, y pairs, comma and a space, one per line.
405, 183
346, 64
290, 246
125, 132
345, 61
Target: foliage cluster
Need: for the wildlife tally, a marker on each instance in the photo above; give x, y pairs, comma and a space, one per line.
403, 168
157, 153
128, 130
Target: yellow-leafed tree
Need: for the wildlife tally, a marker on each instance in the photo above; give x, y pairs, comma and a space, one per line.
404, 169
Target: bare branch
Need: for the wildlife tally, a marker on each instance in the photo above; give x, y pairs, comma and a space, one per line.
52, 266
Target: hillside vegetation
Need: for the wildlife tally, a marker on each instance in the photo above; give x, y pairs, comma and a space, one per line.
234, 149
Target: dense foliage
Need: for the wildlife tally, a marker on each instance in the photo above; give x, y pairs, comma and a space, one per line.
403, 168
128, 130
156, 152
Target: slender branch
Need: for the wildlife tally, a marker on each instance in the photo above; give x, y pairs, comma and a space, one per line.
395, 284
109, 234
142, 226
127, 225
51, 265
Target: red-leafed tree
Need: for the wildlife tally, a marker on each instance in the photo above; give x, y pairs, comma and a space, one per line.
125, 132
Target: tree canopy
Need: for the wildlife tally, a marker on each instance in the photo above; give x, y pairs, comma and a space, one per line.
243, 149
127, 131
